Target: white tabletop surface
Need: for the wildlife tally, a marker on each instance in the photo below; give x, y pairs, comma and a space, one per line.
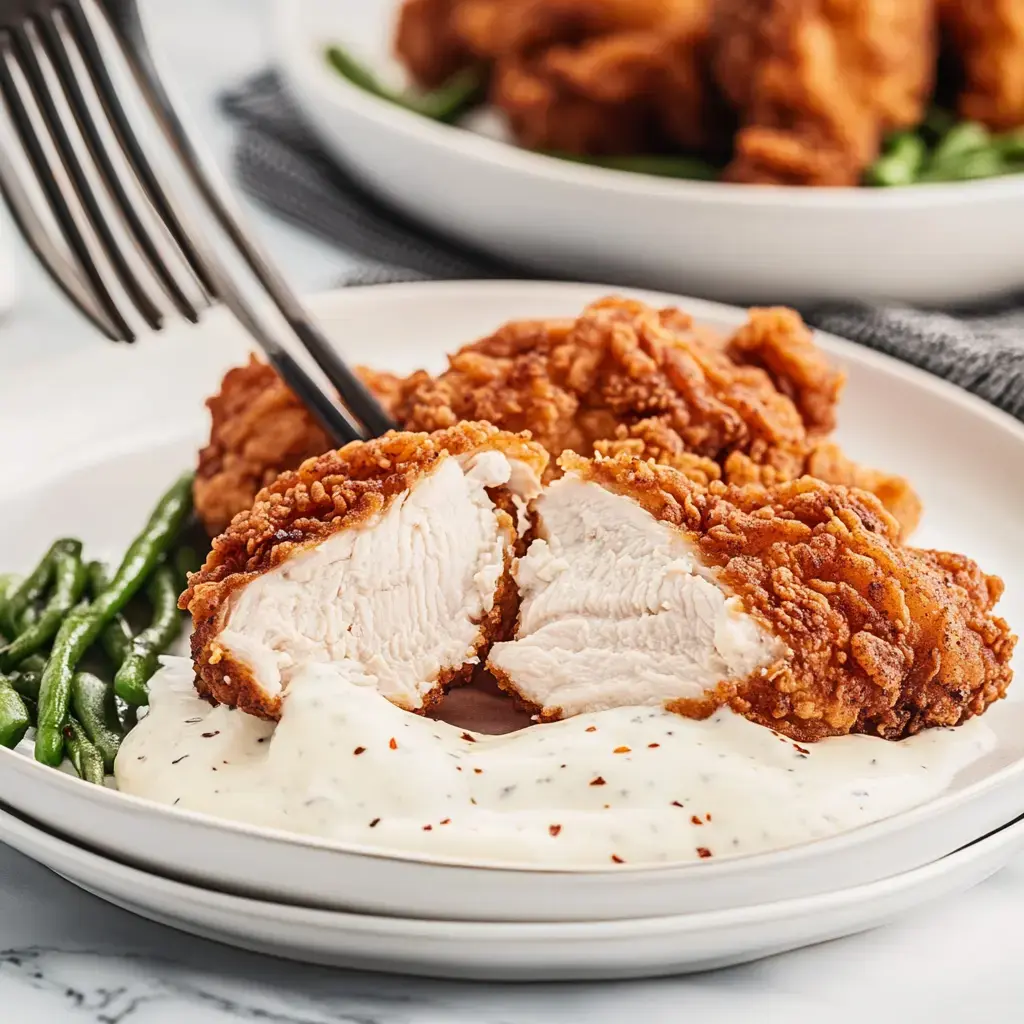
67, 957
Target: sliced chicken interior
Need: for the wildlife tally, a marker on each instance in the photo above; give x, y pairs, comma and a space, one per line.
398, 579
619, 609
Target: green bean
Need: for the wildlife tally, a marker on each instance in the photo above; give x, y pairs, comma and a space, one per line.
87, 760
132, 677
116, 635
69, 582
1010, 145
92, 701
82, 627
33, 586
981, 163
688, 167
14, 720
8, 581
33, 663
900, 164
965, 137
446, 103
26, 683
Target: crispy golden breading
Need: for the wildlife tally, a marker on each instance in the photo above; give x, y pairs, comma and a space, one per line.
817, 83
577, 76
779, 342
627, 378
882, 639
427, 43
258, 429
327, 494
987, 38
622, 377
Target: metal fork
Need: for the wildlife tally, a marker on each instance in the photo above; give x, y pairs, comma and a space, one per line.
106, 225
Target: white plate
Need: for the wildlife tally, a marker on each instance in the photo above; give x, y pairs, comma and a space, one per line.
89, 443
931, 244
515, 952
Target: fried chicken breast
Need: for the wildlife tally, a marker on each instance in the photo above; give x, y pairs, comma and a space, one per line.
576, 76
389, 557
624, 377
621, 377
794, 604
817, 83
987, 39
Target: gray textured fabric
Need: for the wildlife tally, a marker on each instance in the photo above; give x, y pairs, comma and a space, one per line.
280, 163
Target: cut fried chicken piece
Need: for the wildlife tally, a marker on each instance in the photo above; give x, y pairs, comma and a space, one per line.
390, 558
817, 83
987, 39
796, 605
259, 428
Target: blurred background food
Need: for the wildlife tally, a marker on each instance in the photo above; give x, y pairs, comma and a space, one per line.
786, 92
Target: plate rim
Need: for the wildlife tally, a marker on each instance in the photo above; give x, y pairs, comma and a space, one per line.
574, 292
417, 927
291, 57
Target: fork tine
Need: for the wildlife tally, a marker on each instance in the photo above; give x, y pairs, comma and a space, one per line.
114, 325
28, 56
61, 269
56, 47
92, 55
125, 21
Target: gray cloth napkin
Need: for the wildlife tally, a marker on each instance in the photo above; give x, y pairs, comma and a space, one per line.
280, 163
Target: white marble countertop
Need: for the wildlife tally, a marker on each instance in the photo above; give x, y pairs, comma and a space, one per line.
67, 957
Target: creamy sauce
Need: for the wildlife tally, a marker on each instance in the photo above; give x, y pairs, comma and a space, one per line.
632, 785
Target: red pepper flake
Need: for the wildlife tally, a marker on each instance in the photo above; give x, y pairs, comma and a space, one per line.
210, 735
446, 821
428, 828
703, 852
375, 823
616, 859
359, 750
468, 738
801, 750
621, 750
694, 820
591, 728
598, 781
393, 743
707, 817
676, 803
478, 771
651, 746
553, 830
458, 767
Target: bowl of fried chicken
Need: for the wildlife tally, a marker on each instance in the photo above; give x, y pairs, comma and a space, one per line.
751, 151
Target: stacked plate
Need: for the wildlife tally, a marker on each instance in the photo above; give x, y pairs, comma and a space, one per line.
354, 906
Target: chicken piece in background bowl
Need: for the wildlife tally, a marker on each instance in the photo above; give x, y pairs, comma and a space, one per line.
390, 558
986, 40
599, 77
795, 605
816, 85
